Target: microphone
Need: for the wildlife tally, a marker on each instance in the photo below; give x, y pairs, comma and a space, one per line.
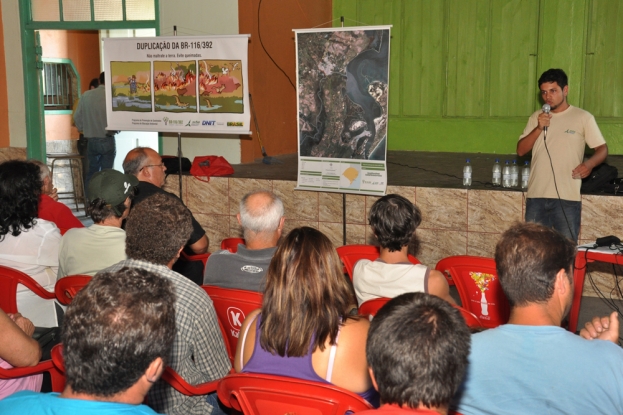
546, 108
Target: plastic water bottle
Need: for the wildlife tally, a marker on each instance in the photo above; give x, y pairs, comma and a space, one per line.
525, 175
467, 174
506, 175
514, 174
497, 173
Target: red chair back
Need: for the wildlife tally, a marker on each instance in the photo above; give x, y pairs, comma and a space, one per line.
371, 307
9, 278
232, 306
257, 394
67, 287
476, 280
57, 374
350, 254
231, 244
57, 377
470, 318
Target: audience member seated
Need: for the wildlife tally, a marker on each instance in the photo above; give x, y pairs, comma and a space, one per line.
531, 365
417, 350
89, 250
117, 337
49, 206
304, 329
156, 231
261, 218
148, 167
28, 244
394, 220
18, 349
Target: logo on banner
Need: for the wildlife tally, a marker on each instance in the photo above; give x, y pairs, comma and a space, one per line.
235, 317
208, 123
234, 124
166, 120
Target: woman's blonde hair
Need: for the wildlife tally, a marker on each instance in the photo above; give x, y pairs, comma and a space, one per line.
307, 296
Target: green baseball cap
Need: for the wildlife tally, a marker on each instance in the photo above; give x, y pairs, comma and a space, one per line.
112, 186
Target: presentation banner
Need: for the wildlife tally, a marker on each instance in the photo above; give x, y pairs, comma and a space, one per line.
195, 84
343, 86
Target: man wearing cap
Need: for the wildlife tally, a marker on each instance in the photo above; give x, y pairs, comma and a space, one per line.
89, 250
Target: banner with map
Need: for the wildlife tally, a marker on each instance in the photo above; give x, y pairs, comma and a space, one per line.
343, 86
195, 84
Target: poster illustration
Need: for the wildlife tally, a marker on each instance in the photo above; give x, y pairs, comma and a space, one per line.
131, 89
343, 86
184, 83
174, 86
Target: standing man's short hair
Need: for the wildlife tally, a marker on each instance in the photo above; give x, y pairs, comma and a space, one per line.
394, 220
417, 348
554, 75
528, 257
115, 328
266, 218
157, 228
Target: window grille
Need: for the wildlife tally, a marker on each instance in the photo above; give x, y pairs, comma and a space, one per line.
59, 86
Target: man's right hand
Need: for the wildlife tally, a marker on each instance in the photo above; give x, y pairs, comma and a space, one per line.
544, 119
603, 328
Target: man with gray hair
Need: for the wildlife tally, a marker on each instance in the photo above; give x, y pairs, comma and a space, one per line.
261, 218
49, 207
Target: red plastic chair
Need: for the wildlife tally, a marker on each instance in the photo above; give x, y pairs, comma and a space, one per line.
470, 318
232, 306
179, 384
9, 278
476, 280
257, 394
350, 254
67, 287
231, 244
371, 307
57, 377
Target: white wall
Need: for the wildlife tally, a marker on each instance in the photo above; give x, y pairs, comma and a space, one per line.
195, 18
15, 76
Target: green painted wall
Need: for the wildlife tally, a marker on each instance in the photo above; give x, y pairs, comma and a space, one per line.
463, 73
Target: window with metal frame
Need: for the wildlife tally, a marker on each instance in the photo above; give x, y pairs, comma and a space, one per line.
60, 86
92, 10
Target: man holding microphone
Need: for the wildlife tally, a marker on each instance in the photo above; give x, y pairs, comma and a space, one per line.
557, 135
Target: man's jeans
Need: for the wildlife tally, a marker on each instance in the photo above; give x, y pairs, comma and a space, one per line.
562, 215
100, 155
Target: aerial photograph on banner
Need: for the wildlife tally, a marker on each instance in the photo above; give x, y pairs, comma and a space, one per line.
175, 87
220, 86
131, 86
343, 94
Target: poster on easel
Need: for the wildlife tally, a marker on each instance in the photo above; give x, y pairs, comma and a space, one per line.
342, 89
195, 84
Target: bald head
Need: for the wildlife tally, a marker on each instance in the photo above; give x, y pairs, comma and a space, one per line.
146, 164
261, 218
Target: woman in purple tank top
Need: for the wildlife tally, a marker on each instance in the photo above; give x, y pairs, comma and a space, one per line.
304, 328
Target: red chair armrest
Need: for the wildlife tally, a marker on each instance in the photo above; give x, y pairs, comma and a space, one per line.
179, 384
